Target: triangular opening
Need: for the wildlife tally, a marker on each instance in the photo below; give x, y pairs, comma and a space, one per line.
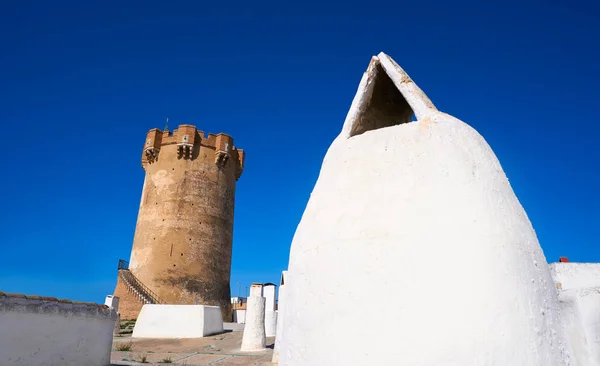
386, 106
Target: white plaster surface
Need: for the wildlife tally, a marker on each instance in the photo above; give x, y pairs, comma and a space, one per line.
178, 321
573, 275
270, 313
45, 333
239, 316
112, 302
589, 308
269, 295
280, 309
580, 310
418, 215
256, 290
254, 338
270, 323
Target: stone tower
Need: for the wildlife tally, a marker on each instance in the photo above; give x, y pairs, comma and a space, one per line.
183, 238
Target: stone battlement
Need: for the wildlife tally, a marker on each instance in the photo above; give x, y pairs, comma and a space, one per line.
189, 140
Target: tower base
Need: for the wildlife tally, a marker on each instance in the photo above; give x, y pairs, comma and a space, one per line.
130, 304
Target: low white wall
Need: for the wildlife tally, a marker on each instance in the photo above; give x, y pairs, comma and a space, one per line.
270, 323
573, 275
112, 302
580, 310
239, 316
280, 307
589, 307
270, 313
42, 331
178, 321
574, 328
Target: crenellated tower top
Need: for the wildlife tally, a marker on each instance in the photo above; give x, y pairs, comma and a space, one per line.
190, 142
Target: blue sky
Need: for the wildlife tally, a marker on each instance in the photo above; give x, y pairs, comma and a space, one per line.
82, 82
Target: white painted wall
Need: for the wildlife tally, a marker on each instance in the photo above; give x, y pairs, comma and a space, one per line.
178, 321
573, 275
254, 338
239, 316
269, 295
421, 216
270, 313
575, 332
112, 302
256, 289
44, 333
280, 307
270, 323
581, 311
579, 293
589, 307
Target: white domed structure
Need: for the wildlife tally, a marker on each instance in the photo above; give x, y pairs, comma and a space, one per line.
413, 249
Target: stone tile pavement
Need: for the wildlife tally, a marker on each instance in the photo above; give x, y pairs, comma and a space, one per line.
221, 350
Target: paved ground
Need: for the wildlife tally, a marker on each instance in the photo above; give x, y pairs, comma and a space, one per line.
221, 350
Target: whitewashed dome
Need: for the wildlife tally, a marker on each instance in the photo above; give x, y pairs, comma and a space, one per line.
413, 249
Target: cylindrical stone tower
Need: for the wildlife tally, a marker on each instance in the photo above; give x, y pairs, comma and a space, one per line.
183, 237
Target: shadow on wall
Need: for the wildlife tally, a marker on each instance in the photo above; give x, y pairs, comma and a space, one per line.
202, 290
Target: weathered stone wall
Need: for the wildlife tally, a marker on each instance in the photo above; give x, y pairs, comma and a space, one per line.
183, 238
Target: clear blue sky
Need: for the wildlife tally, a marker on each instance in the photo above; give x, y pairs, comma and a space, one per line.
82, 82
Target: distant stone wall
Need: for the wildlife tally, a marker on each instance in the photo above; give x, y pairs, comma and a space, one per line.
36, 330
239, 306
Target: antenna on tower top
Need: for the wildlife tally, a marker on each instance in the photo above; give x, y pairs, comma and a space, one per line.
167, 125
